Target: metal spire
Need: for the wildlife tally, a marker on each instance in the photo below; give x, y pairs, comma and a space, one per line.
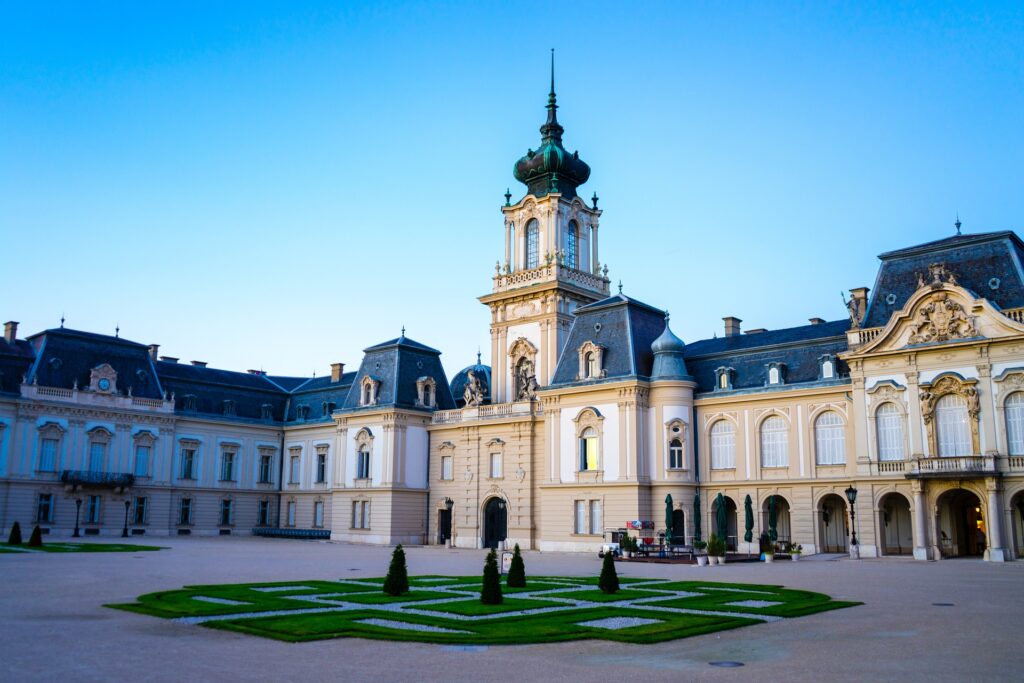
620, 286
551, 130
117, 330
403, 331
62, 321
958, 223
552, 94
478, 355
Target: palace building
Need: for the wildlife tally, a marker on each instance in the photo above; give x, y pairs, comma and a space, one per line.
591, 413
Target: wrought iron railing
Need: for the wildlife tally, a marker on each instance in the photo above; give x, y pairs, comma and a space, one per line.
97, 479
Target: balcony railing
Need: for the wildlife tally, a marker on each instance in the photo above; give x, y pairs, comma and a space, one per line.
488, 412
109, 480
941, 467
553, 271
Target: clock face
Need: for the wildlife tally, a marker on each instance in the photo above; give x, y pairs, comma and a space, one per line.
104, 384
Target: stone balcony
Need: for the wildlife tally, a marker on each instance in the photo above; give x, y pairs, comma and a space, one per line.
92, 398
551, 272
953, 467
496, 411
99, 480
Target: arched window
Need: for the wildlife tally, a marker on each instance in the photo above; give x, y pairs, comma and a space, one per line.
773, 375
889, 425
590, 363
675, 454
572, 239
363, 463
953, 431
532, 243
830, 439
588, 449
774, 442
1015, 423
723, 445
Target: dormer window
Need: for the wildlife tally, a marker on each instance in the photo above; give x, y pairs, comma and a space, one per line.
426, 392
189, 402
368, 391
328, 408
827, 366
776, 373
723, 379
229, 407
301, 412
591, 361
266, 411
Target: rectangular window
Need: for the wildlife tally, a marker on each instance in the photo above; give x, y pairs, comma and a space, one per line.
580, 526
446, 467
44, 508
185, 511
48, 455
97, 456
366, 514
92, 510
141, 508
266, 461
142, 461
188, 463
227, 467
225, 512
496, 465
263, 513
595, 517
363, 465
291, 513
294, 474
361, 514
318, 514
588, 450
321, 467
675, 454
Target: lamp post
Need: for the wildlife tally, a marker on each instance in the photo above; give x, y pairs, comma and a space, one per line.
124, 531
78, 512
851, 495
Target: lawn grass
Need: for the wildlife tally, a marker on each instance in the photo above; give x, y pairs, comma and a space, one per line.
601, 596
382, 598
62, 547
475, 608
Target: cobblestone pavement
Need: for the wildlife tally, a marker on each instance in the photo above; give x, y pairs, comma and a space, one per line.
55, 627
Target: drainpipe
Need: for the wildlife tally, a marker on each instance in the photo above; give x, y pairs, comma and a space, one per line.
280, 466
426, 517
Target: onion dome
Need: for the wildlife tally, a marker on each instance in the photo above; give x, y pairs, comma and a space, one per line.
551, 168
668, 352
461, 379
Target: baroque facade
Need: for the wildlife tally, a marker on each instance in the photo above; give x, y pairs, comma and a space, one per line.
591, 413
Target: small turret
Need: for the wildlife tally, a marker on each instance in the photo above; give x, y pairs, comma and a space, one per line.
668, 356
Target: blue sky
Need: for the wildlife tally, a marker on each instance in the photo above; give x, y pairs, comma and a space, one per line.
279, 185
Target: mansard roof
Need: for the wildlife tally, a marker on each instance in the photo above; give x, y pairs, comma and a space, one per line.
624, 327
65, 358
988, 264
397, 364
212, 387
314, 393
15, 362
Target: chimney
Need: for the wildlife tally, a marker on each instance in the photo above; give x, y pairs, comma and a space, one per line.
169, 359
154, 351
10, 331
732, 326
756, 330
258, 373
199, 363
815, 321
337, 370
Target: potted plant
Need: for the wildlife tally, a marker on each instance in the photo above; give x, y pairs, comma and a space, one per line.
628, 545
702, 558
716, 549
795, 549
767, 549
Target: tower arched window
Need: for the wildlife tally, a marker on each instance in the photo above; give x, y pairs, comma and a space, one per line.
953, 428
723, 446
588, 449
829, 439
532, 243
675, 454
572, 240
889, 428
1015, 423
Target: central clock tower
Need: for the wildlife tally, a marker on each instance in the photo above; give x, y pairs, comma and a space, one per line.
551, 265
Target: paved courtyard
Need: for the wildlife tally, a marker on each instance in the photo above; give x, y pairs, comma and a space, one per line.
55, 627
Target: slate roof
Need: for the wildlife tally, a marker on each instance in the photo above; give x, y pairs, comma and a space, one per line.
321, 396
973, 259
211, 387
15, 361
65, 357
397, 364
625, 327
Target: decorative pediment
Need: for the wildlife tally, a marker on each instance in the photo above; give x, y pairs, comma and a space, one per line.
522, 348
103, 379
940, 312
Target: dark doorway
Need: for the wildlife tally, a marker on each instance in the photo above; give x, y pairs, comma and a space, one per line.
678, 528
495, 522
962, 528
444, 526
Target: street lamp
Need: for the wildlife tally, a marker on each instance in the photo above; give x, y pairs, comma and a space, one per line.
124, 532
78, 512
851, 495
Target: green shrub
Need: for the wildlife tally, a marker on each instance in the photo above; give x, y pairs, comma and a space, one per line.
491, 591
15, 537
36, 539
609, 581
397, 580
517, 571
716, 546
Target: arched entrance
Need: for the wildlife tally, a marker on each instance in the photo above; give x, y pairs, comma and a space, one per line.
834, 529
963, 531
896, 531
1017, 513
495, 522
730, 518
782, 525
678, 527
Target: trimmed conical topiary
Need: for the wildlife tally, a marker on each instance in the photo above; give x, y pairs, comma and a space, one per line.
609, 581
397, 580
36, 539
15, 537
517, 570
491, 592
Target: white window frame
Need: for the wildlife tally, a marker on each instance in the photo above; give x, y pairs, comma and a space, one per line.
829, 439
952, 427
889, 433
290, 513
496, 465
722, 439
447, 467
773, 435
318, 514
1013, 408
596, 517
579, 517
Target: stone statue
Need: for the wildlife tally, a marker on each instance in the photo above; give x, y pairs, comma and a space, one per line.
526, 381
475, 390
855, 307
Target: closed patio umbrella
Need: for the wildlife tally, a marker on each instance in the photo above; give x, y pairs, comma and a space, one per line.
748, 512
721, 518
669, 532
696, 516
773, 520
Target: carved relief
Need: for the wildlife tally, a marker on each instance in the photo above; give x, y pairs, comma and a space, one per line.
938, 273
523, 355
941, 319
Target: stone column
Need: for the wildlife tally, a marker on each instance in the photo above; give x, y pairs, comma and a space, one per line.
508, 243
920, 523
914, 423
593, 247
987, 443
995, 552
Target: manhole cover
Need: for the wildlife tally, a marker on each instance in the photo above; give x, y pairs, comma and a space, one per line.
726, 665
943, 604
